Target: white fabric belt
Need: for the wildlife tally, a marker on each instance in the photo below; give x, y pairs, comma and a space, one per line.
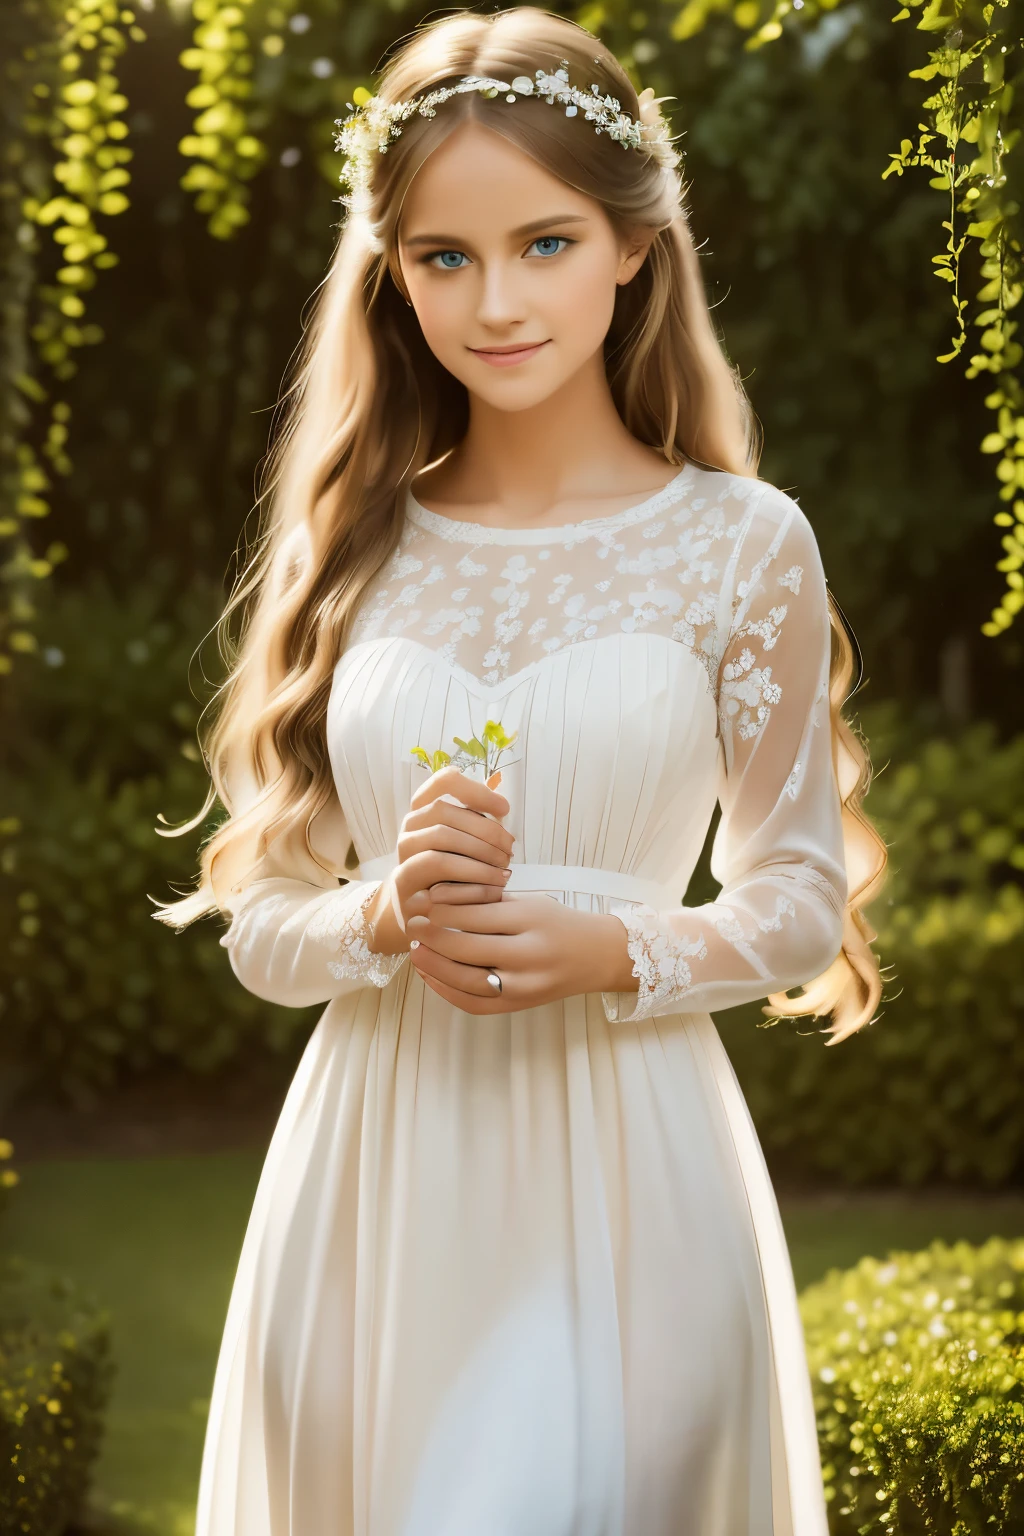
564, 878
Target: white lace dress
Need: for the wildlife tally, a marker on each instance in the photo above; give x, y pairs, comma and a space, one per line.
524, 1275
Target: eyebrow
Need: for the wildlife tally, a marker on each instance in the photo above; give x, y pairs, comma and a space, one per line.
524, 229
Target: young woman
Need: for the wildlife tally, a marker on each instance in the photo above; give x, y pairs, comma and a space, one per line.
515, 1267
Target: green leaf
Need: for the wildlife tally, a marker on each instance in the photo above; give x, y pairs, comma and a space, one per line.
420, 755
474, 747
936, 17
440, 759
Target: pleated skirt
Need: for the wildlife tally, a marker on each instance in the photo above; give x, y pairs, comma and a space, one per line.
518, 1275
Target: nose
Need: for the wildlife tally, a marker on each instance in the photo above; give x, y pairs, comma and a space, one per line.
501, 301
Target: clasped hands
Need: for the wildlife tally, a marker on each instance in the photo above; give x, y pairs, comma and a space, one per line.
448, 893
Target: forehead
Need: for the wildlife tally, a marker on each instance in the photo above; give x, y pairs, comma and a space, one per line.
480, 179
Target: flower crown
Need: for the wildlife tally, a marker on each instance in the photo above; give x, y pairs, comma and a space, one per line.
372, 126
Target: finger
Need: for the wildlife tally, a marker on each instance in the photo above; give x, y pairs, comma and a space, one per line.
426, 869
448, 839
471, 792
482, 950
451, 893
463, 1001
511, 917
454, 893
470, 979
472, 822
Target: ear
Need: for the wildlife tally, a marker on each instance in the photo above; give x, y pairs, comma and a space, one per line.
633, 253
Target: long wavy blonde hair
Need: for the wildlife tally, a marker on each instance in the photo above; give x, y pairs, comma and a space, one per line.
369, 407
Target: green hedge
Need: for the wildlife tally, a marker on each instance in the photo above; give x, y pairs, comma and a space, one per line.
918, 1370
932, 1091
55, 1376
92, 989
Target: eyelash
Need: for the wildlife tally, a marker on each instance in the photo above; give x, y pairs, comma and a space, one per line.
432, 258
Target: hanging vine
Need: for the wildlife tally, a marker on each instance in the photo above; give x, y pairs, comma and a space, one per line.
971, 128
974, 67
67, 166
226, 151
23, 479
255, 60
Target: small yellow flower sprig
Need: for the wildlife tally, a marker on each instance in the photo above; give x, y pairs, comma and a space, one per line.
485, 750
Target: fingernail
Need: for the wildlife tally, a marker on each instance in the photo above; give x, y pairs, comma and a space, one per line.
506, 874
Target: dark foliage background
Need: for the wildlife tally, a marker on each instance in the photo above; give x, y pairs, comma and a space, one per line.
819, 271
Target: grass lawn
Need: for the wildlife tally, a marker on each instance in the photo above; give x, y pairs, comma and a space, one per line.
157, 1240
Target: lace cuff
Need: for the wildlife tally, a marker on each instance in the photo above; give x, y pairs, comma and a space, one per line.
660, 962
341, 924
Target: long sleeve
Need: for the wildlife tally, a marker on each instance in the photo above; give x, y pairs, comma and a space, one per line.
778, 851
297, 936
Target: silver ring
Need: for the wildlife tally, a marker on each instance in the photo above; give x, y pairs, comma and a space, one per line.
494, 981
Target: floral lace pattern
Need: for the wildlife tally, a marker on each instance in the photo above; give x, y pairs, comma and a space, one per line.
493, 600
341, 924
661, 954
747, 692
660, 963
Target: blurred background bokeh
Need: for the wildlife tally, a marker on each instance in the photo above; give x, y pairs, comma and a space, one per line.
169, 204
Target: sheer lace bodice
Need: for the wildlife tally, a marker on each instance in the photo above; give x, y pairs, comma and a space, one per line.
494, 600
674, 653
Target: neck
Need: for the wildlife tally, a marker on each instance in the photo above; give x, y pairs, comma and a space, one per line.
571, 447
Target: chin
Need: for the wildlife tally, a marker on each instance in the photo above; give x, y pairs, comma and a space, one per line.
521, 394
515, 400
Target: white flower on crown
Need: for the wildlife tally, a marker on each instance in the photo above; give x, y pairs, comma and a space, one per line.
371, 127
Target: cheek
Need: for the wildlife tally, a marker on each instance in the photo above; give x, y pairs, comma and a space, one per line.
581, 300
442, 311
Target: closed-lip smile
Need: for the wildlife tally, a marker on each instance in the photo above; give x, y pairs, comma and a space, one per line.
506, 356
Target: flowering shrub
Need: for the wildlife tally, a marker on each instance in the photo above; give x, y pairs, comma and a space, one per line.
54, 1382
55, 1374
918, 1372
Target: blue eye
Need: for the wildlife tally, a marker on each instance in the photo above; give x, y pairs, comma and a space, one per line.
451, 261
551, 245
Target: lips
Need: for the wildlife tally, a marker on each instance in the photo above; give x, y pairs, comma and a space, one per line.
507, 357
